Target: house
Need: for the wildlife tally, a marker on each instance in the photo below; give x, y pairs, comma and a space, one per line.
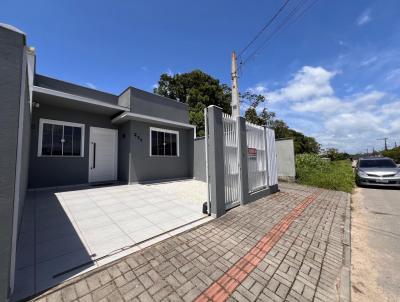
55, 133
80, 135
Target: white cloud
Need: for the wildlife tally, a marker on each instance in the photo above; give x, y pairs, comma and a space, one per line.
309, 82
369, 61
323, 104
355, 123
391, 109
364, 18
351, 122
144, 68
367, 99
393, 74
90, 85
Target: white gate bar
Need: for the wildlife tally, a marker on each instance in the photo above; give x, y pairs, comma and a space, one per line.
257, 158
231, 161
272, 167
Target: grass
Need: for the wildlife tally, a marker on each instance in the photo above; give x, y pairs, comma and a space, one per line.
311, 170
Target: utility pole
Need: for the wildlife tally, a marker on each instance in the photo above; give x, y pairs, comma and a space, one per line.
384, 139
395, 144
235, 103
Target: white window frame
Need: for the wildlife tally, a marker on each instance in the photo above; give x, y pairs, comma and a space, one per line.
165, 131
61, 123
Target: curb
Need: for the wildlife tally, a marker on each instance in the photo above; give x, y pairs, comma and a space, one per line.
345, 273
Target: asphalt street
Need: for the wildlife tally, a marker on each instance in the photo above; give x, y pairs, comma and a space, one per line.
379, 221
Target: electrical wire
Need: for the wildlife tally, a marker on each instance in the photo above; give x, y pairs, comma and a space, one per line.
264, 27
285, 23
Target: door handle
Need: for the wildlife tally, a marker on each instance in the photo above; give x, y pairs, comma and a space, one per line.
94, 156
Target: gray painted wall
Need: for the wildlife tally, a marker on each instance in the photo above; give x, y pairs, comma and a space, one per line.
145, 167
147, 103
60, 171
285, 159
199, 159
63, 86
11, 60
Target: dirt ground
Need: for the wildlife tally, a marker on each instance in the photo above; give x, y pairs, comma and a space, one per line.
365, 276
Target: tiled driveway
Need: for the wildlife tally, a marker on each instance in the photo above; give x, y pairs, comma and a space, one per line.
68, 232
288, 246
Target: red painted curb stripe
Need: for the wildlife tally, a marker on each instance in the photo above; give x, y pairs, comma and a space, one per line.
221, 289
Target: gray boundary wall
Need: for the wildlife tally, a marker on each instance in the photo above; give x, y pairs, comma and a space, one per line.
215, 166
285, 159
14, 133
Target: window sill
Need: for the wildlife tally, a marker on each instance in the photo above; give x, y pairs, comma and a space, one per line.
165, 156
62, 156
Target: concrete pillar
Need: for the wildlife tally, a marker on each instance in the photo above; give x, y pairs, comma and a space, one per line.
215, 151
243, 170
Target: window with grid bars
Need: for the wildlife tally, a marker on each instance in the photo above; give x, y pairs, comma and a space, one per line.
164, 142
58, 138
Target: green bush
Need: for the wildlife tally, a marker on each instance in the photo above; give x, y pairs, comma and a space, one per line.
313, 171
393, 154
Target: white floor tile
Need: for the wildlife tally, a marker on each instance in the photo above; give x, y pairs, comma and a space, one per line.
101, 234
147, 209
145, 234
77, 224
130, 226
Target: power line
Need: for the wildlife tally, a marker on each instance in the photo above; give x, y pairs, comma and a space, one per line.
275, 31
264, 27
281, 26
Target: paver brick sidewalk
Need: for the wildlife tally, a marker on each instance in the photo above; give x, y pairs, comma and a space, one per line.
285, 247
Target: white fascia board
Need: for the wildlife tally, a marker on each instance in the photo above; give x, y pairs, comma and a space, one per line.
130, 115
77, 98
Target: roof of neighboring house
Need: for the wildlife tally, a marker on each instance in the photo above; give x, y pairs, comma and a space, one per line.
54, 84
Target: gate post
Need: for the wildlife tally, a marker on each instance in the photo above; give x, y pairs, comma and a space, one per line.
242, 144
215, 149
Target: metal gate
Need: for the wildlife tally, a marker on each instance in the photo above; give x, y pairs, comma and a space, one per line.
256, 157
231, 161
271, 152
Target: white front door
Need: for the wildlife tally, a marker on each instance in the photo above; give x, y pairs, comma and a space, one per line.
103, 154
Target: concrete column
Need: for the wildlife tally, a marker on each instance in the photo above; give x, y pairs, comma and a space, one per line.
243, 170
215, 153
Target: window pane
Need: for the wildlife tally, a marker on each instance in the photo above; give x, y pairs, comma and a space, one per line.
57, 136
173, 145
67, 146
168, 143
46, 139
160, 143
76, 140
153, 143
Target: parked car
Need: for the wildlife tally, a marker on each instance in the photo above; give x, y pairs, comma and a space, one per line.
377, 171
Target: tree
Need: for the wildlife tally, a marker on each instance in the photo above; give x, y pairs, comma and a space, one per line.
197, 89
302, 143
200, 90
393, 154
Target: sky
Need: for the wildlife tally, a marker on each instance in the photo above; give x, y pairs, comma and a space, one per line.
332, 73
